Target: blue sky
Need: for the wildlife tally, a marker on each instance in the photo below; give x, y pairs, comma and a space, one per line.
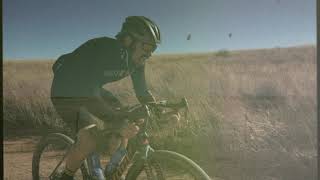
35, 29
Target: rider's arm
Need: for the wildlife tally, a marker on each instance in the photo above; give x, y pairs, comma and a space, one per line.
140, 86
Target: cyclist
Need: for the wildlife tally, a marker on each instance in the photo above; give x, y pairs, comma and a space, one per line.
79, 98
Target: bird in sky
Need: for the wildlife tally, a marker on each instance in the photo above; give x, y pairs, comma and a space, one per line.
189, 37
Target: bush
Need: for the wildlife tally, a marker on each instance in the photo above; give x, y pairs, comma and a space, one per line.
223, 53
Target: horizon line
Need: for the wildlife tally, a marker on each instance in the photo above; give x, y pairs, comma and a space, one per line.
170, 53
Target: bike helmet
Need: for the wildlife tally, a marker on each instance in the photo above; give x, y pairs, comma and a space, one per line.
141, 28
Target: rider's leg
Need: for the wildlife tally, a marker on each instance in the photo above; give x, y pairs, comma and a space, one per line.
86, 140
68, 109
85, 145
72, 110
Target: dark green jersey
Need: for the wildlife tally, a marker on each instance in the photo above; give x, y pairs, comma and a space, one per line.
83, 72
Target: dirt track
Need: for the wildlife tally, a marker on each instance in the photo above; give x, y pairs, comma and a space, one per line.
18, 162
17, 158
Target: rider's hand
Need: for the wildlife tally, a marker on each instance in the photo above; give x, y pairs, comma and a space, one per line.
174, 120
131, 129
171, 120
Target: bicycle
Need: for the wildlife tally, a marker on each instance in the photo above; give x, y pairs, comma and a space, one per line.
140, 162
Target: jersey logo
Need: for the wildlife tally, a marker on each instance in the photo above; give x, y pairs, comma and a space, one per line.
123, 53
115, 73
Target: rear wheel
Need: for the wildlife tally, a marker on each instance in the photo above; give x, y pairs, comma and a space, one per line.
166, 165
48, 158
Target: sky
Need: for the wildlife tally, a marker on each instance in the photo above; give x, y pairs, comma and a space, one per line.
36, 29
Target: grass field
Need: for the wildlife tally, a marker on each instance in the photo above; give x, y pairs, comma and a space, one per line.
253, 112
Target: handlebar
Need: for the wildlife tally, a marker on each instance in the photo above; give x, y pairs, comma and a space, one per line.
156, 108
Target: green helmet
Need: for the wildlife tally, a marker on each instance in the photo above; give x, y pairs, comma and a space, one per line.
141, 28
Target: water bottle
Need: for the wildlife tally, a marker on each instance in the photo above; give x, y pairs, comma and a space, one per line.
115, 160
95, 166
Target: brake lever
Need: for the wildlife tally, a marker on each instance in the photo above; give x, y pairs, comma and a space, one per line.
156, 106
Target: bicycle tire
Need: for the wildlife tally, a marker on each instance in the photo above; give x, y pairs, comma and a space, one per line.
44, 142
160, 157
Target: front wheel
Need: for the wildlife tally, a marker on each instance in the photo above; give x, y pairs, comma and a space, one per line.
166, 165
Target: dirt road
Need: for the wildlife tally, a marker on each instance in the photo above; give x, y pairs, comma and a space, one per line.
18, 162
17, 158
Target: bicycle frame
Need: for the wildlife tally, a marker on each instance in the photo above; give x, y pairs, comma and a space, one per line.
138, 147
139, 144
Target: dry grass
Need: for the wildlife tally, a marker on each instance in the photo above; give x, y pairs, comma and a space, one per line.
253, 113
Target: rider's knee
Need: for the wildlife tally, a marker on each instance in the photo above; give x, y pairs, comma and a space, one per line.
86, 139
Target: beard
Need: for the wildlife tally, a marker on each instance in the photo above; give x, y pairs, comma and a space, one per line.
136, 59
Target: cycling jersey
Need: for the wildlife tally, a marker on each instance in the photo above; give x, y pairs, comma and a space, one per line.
80, 75
84, 71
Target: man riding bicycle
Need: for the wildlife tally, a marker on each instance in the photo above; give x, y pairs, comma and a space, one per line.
79, 98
